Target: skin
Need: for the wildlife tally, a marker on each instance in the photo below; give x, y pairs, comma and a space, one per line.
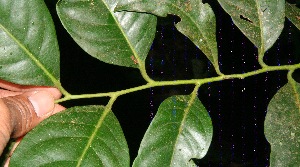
24, 107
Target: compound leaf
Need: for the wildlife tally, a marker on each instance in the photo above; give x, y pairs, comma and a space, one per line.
79, 136
261, 21
29, 52
181, 130
282, 128
121, 38
198, 21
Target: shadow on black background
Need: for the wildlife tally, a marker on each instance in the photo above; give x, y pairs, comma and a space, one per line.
237, 107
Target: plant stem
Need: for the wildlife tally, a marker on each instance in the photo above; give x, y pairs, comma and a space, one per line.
294, 87
261, 58
217, 68
144, 74
197, 82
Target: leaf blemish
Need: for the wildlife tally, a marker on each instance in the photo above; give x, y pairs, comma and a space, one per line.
265, 9
135, 61
245, 18
188, 6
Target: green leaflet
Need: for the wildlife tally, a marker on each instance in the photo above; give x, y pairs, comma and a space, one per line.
79, 136
292, 12
29, 51
121, 38
282, 128
261, 21
198, 21
181, 130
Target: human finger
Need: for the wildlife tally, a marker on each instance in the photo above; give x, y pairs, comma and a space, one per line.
21, 113
9, 86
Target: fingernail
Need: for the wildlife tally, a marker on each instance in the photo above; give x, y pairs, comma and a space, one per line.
42, 102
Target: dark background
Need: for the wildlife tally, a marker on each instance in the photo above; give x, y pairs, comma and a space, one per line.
237, 107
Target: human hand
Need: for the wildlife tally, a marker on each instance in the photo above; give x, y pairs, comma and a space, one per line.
24, 107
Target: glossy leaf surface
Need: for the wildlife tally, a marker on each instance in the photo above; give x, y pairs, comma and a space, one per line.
29, 51
198, 21
79, 136
261, 20
282, 126
181, 130
121, 38
292, 12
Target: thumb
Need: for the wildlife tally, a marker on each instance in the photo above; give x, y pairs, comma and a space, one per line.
19, 114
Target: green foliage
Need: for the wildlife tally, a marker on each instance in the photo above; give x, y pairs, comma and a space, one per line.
282, 126
108, 36
261, 21
79, 136
91, 135
181, 130
293, 13
29, 51
197, 21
